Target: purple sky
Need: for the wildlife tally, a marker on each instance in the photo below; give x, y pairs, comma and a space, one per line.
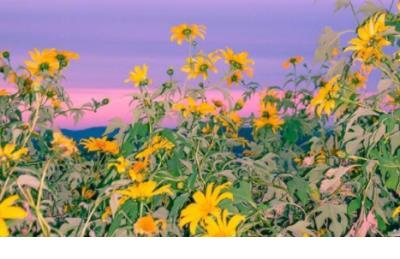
112, 36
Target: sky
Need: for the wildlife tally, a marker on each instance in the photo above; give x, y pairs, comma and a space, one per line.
113, 36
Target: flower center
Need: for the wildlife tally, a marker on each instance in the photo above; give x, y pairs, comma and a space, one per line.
207, 208
203, 68
236, 65
44, 67
187, 32
234, 78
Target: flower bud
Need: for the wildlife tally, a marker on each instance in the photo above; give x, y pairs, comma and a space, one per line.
180, 185
170, 71
105, 101
6, 54
239, 104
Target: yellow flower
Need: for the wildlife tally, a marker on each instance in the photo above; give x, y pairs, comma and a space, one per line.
3, 92
87, 193
324, 100
191, 107
234, 78
269, 117
121, 165
207, 129
137, 171
238, 62
180, 185
357, 80
7, 211
100, 144
56, 103
145, 190
396, 212
239, 104
187, 32
43, 62
231, 120
222, 227
106, 214
204, 205
64, 56
65, 145
157, 143
138, 76
10, 153
371, 39
292, 61
148, 226
200, 65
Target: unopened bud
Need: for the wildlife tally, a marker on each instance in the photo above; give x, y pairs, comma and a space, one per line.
6, 54
170, 71
105, 101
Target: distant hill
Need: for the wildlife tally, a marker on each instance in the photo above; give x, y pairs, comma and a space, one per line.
97, 132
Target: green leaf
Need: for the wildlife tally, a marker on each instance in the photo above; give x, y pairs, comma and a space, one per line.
242, 192
333, 215
292, 130
299, 188
177, 206
131, 209
354, 206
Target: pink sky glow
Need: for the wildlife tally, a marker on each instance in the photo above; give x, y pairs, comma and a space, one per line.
119, 106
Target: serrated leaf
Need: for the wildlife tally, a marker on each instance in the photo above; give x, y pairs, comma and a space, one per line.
334, 216
299, 188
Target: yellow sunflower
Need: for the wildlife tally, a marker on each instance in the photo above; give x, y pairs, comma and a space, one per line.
100, 144
238, 63
157, 143
9, 153
137, 171
8, 211
44, 61
220, 226
63, 144
357, 80
325, 99
190, 106
269, 117
121, 164
144, 190
200, 65
187, 32
292, 61
148, 226
64, 57
204, 204
230, 120
138, 76
371, 39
